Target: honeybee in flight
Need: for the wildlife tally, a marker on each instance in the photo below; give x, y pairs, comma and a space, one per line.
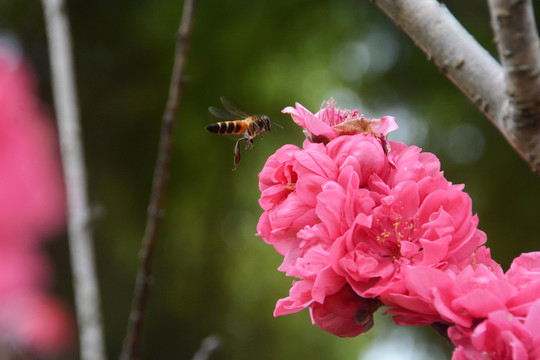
236, 121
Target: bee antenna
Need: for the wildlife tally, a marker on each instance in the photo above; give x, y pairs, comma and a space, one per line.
279, 126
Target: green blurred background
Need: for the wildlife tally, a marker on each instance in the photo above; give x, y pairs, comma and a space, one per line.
212, 275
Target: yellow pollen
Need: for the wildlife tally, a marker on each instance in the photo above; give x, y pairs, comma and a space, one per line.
290, 186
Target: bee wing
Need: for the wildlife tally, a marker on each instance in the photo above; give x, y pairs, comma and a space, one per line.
233, 108
222, 114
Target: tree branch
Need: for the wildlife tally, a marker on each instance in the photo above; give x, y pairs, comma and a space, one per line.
208, 346
80, 240
144, 273
519, 50
460, 57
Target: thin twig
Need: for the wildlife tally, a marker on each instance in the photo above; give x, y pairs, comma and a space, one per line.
80, 239
519, 50
458, 55
144, 273
208, 346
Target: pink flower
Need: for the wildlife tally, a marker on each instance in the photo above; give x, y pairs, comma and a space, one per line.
412, 226
502, 336
329, 122
461, 297
344, 314
363, 154
31, 209
31, 189
507, 321
303, 293
352, 209
21, 269
288, 181
34, 321
277, 179
524, 275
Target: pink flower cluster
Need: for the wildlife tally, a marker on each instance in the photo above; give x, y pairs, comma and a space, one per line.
31, 208
364, 222
497, 316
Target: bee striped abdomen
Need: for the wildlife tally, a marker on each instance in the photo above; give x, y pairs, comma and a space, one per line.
236, 121
227, 127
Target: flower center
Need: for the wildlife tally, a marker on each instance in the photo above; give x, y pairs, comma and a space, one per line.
391, 232
290, 187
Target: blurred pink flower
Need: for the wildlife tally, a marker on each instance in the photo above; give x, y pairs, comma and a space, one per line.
32, 209
33, 321
31, 188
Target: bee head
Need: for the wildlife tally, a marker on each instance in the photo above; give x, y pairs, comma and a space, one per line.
267, 123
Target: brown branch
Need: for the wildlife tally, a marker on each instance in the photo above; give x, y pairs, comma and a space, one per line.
459, 56
144, 273
85, 285
519, 50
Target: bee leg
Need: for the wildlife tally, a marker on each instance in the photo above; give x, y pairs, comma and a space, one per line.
259, 130
246, 139
248, 142
237, 154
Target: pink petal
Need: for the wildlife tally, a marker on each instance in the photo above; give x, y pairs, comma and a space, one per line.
386, 125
